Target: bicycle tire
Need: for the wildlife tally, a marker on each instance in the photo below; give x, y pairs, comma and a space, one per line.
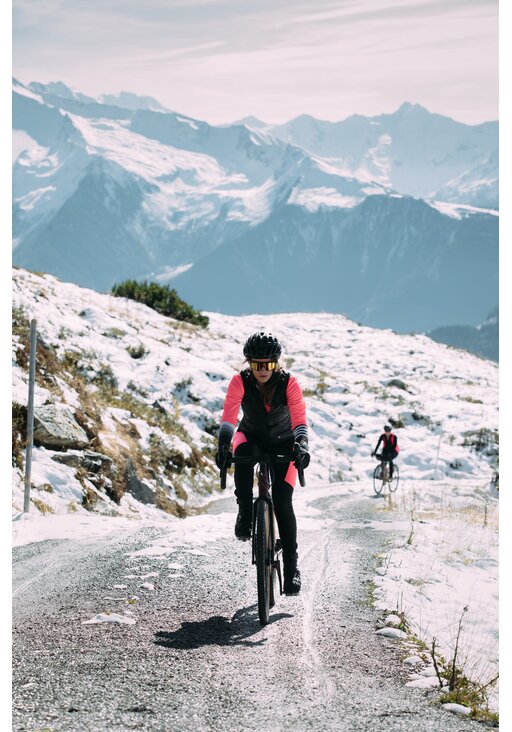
263, 559
393, 483
378, 483
274, 560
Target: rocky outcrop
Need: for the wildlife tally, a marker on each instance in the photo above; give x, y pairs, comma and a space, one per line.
56, 427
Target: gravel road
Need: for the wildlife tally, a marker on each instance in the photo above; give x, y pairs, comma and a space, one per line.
197, 658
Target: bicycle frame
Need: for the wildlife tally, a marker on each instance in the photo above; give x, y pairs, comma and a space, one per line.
266, 549
385, 462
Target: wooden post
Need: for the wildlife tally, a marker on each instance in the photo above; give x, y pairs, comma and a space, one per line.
30, 413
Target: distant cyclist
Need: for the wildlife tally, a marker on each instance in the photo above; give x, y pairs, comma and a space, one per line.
390, 447
274, 419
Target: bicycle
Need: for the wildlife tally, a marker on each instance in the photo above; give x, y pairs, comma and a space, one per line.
382, 476
266, 547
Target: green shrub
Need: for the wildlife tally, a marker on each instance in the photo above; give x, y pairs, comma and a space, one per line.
137, 351
160, 298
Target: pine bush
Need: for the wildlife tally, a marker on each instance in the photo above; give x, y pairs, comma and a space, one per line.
160, 298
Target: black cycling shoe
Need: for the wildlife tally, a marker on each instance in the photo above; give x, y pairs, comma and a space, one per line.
243, 526
292, 582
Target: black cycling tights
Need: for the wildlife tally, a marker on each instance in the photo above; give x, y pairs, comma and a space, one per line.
282, 493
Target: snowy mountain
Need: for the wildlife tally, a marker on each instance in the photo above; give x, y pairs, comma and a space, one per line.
386, 262
477, 186
127, 100
413, 151
103, 192
482, 339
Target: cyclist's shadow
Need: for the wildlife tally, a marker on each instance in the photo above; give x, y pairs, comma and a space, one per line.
217, 631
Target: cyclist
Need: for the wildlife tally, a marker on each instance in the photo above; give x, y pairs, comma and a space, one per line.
390, 447
274, 419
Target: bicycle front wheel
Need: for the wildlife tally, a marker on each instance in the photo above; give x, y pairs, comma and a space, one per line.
263, 551
378, 483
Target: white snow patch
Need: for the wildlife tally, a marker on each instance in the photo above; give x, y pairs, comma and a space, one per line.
392, 633
110, 618
457, 709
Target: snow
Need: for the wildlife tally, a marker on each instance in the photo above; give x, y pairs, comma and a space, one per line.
168, 273
22, 142
313, 198
392, 633
448, 562
110, 618
459, 210
457, 709
445, 511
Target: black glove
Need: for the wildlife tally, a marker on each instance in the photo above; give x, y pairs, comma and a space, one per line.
301, 449
223, 457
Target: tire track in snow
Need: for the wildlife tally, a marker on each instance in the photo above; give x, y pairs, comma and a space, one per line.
319, 677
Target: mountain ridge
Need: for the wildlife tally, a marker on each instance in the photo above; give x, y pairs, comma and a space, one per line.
148, 193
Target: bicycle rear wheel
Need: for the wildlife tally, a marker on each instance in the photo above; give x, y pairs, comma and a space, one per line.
393, 483
263, 551
378, 483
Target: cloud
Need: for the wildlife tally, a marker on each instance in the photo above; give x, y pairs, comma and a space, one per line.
207, 57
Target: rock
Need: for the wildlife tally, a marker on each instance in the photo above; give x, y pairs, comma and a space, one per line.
160, 407
398, 383
56, 427
93, 462
413, 660
71, 459
457, 709
138, 488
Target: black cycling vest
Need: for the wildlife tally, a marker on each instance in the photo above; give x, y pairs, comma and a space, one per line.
273, 426
389, 444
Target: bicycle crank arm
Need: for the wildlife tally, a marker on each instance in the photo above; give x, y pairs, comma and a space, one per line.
277, 565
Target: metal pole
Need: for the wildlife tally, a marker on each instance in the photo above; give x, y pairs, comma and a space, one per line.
30, 413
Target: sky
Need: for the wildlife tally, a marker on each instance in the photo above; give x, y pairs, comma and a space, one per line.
222, 60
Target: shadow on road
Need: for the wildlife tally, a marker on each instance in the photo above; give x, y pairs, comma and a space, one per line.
218, 631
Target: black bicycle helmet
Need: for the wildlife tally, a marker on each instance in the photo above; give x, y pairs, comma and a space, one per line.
262, 345
387, 428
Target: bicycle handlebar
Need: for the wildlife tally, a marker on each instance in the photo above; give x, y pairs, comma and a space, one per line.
293, 457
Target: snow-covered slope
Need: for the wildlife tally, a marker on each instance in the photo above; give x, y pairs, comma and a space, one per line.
151, 391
